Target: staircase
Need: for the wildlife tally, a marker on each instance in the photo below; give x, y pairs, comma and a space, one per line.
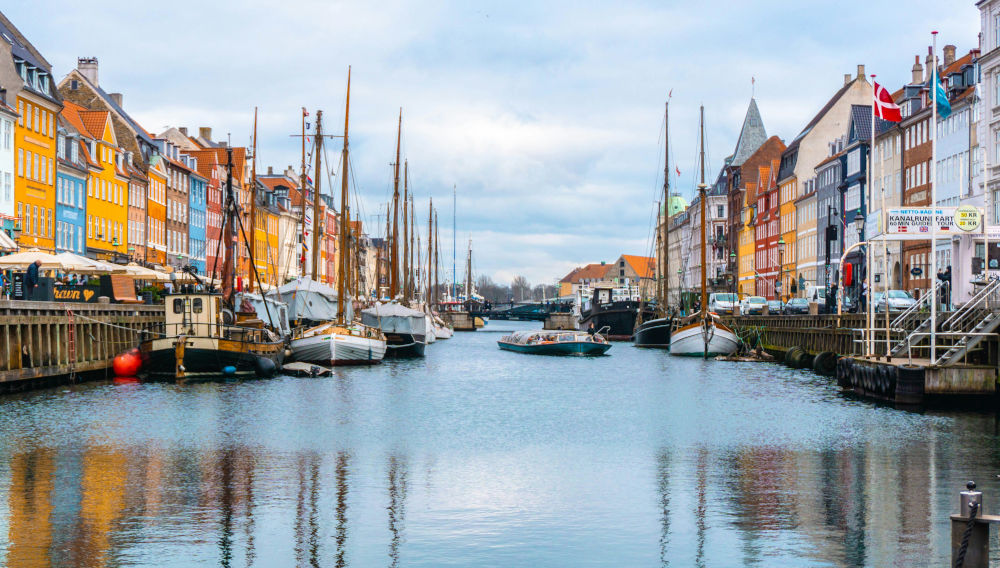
913, 322
980, 315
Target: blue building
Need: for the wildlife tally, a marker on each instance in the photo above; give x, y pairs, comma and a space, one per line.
197, 211
71, 199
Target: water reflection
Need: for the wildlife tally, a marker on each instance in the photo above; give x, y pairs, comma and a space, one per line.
397, 505
491, 462
663, 490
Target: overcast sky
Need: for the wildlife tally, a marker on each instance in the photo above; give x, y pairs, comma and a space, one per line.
546, 116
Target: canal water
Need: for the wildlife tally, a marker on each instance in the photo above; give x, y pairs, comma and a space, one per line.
481, 457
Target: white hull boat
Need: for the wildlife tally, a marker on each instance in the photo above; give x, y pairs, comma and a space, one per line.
690, 340
329, 344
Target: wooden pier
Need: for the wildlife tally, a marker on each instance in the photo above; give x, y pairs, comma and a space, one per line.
47, 343
813, 341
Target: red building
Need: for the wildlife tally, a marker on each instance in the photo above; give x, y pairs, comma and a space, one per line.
767, 230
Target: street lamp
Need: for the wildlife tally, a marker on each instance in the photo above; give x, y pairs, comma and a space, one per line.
734, 272
859, 224
781, 263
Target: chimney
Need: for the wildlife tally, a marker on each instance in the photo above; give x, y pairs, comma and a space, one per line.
184, 130
949, 55
205, 132
861, 71
270, 170
87, 66
929, 64
117, 97
847, 78
918, 70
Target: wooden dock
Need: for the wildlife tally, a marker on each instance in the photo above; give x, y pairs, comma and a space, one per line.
900, 380
47, 343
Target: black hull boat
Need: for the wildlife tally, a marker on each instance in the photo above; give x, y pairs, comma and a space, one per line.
653, 333
203, 360
399, 345
619, 317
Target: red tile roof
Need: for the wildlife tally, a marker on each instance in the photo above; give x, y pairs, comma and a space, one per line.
642, 265
95, 120
594, 271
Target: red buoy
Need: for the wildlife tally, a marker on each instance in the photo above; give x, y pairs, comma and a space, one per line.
126, 380
127, 364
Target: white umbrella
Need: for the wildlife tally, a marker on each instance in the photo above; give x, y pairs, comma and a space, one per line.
75, 263
23, 259
143, 273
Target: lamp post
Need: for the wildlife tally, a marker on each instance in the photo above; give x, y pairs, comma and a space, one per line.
680, 287
859, 226
781, 264
733, 272
831, 235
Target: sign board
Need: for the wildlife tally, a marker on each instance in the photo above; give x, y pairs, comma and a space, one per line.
87, 294
968, 218
916, 271
916, 221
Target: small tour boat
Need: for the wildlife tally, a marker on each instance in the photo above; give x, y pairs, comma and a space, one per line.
555, 343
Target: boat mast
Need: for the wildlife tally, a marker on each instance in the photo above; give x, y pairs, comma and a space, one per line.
406, 231
468, 278
253, 207
302, 182
702, 194
430, 249
437, 245
345, 220
316, 193
454, 244
394, 242
664, 280
229, 236
413, 265
384, 261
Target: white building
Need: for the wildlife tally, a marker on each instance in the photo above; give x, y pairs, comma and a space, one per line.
7, 117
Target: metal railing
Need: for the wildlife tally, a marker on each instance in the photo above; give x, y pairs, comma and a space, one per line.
984, 301
923, 302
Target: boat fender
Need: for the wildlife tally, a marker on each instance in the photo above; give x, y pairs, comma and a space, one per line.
884, 380
265, 367
229, 370
891, 392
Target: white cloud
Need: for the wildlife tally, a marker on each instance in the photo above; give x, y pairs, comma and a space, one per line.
546, 116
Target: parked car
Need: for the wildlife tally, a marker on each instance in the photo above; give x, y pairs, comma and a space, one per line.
895, 301
797, 306
722, 302
775, 307
817, 294
848, 305
753, 305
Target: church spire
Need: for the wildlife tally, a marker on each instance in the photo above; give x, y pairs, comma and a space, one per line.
751, 136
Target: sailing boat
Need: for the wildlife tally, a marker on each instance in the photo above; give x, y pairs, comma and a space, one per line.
405, 329
656, 332
703, 334
341, 341
210, 335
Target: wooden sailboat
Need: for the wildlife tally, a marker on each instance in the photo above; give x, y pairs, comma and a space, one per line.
656, 332
405, 329
703, 335
342, 341
209, 335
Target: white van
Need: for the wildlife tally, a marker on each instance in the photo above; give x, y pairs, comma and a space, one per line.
816, 294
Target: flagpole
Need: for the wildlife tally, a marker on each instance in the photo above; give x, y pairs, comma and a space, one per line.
934, 222
885, 253
870, 320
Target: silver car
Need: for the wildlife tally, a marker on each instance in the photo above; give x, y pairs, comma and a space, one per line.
897, 301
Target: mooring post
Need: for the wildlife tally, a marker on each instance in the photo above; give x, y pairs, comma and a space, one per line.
970, 533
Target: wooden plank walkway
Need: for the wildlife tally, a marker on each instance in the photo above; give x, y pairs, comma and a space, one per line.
44, 342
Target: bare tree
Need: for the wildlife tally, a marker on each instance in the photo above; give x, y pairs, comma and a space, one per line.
520, 288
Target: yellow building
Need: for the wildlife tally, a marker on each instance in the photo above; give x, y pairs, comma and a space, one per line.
38, 106
747, 246
107, 184
787, 194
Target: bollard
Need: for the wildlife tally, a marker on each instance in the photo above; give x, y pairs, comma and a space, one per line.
970, 546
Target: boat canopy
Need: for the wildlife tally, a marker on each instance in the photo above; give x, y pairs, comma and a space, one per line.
395, 318
309, 300
275, 313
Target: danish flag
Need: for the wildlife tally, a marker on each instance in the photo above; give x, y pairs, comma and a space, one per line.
885, 108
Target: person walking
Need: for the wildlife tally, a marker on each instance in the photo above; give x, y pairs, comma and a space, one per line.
864, 296
31, 279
